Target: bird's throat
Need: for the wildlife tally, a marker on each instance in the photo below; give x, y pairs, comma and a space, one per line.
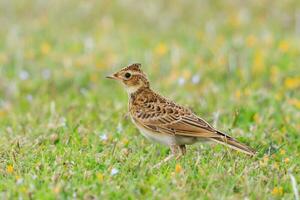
132, 89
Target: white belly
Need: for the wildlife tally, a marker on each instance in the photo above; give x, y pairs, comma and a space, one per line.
183, 140
166, 139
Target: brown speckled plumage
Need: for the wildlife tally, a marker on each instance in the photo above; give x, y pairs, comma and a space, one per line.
163, 121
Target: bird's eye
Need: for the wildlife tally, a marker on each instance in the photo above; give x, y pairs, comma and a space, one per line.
127, 75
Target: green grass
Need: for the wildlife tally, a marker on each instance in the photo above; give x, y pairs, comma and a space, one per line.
63, 129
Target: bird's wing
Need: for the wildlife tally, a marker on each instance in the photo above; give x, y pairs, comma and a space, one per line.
168, 117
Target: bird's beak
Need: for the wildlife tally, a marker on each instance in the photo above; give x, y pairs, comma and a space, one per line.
113, 76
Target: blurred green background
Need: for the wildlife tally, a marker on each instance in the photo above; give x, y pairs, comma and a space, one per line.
62, 128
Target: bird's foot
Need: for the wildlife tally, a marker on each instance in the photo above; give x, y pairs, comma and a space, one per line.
178, 156
169, 157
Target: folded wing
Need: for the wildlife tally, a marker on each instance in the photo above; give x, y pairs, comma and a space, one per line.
172, 119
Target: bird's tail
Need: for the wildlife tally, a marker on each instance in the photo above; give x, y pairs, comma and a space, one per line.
234, 144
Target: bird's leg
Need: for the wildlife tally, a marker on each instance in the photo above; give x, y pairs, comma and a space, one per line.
182, 151
174, 151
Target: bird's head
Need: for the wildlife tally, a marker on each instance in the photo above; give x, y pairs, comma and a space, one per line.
132, 78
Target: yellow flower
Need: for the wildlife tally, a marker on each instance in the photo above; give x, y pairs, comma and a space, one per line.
276, 165
125, 141
258, 65
100, 64
286, 160
178, 168
247, 91
220, 40
29, 54
264, 161
2, 113
282, 152
100, 177
186, 74
279, 96
200, 35
221, 60
274, 74
24, 189
3, 58
284, 46
56, 189
292, 82
251, 40
161, 49
266, 158
234, 20
294, 102
9, 169
94, 77
45, 48
257, 118
277, 191
238, 94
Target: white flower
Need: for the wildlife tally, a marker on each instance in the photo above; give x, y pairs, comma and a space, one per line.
19, 181
24, 75
196, 79
83, 91
46, 73
181, 81
62, 122
103, 137
34, 176
29, 98
119, 128
88, 44
114, 171
74, 195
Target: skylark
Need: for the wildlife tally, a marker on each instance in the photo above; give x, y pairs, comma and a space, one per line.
161, 120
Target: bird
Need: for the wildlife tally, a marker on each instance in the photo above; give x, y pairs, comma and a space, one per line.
163, 121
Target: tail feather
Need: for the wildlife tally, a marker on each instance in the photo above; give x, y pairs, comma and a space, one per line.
234, 144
